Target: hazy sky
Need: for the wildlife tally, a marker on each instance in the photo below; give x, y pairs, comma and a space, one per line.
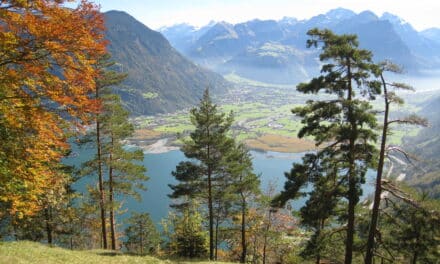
421, 14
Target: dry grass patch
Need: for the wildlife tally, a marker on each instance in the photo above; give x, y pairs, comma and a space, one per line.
146, 134
271, 142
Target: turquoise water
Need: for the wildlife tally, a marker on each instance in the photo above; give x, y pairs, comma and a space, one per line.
270, 165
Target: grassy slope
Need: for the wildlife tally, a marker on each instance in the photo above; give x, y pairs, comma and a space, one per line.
25, 252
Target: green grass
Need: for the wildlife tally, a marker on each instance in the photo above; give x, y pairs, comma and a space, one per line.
243, 136
25, 252
174, 128
256, 118
397, 134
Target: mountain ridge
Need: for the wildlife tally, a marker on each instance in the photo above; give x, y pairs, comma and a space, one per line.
389, 37
159, 78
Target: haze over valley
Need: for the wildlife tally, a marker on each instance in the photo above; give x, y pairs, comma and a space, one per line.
252, 68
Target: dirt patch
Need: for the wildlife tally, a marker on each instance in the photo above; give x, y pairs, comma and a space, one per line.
271, 142
146, 134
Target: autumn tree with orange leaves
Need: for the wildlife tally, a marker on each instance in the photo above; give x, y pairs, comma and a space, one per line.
47, 58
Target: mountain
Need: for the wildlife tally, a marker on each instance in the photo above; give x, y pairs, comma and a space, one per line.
425, 51
220, 40
227, 48
432, 34
340, 14
380, 37
184, 35
159, 78
272, 63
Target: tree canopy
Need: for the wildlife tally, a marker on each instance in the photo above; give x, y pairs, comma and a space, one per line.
48, 53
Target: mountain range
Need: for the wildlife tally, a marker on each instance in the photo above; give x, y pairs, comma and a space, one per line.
168, 70
159, 78
275, 51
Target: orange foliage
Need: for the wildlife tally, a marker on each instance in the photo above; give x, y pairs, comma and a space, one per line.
47, 58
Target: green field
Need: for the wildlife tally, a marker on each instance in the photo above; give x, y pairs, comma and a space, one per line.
251, 120
261, 109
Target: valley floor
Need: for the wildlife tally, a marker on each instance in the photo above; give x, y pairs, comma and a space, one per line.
263, 120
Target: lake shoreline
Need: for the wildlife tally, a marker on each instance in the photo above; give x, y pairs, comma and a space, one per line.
158, 147
162, 145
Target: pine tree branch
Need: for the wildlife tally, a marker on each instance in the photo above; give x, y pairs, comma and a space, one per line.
396, 192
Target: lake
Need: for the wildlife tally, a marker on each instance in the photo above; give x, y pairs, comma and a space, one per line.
270, 165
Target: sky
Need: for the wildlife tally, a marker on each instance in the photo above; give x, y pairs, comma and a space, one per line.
421, 14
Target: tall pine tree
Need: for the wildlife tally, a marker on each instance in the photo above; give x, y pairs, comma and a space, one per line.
324, 197
243, 187
205, 147
343, 123
142, 235
390, 98
112, 158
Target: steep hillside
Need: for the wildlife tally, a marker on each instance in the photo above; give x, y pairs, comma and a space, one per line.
424, 49
25, 252
159, 78
426, 147
380, 37
432, 34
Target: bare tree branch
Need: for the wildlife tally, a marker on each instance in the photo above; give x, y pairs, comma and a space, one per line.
411, 120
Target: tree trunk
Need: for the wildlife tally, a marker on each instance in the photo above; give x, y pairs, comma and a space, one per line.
112, 214
101, 183
320, 227
211, 217
216, 237
350, 225
318, 258
111, 200
243, 231
378, 192
48, 216
265, 236
414, 258
210, 208
141, 237
255, 251
351, 174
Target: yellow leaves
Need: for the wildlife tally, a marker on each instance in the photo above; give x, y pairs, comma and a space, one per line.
47, 59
